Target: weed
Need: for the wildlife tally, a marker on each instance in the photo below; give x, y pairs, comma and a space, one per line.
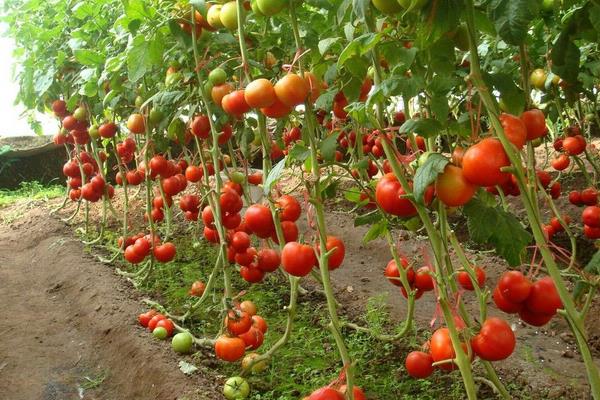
30, 191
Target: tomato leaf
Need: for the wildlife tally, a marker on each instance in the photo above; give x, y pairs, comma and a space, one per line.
497, 227
299, 152
427, 173
512, 18
328, 146
376, 230
353, 195
592, 267
425, 127
187, 368
274, 176
88, 57
325, 44
369, 218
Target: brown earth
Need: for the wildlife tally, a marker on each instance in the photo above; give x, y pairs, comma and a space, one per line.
69, 322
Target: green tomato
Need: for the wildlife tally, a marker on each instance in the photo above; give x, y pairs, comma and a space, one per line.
461, 38
237, 177
257, 367
156, 116
160, 333
217, 76
139, 101
93, 131
213, 16
255, 8
536, 142
173, 79
538, 78
182, 342
371, 72
270, 7
412, 4
236, 388
80, 114
549, 6
175, 64
502, 105
229, 15
387, 6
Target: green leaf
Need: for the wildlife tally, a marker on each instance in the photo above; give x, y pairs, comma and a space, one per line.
88, 57
512, 18
369, 218
377, 230
299, 152
426, 127
325, 100
325, 44
273, 176
359, 46
142, 55
328, 146
43, 80
512, 95
427, 173
353, 195
565, 58
497, 227
176, 130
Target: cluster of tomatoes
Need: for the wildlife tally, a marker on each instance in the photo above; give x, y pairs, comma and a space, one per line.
420, 281
495, 341
573, 144
245, 331
138, 247
160, 326
536, 303
91, 186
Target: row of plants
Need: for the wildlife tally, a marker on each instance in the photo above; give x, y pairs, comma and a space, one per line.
427, 109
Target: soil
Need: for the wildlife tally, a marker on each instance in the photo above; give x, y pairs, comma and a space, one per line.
69, 328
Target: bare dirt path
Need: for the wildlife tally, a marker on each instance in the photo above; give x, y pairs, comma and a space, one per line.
69, 329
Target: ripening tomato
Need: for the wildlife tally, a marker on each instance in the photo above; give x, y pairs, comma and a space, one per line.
289, 208
249, 307
543, 298
268, 260
535, 122
482, 162
164, 252
589, 196
514, 129
452, 188
259, 323
259, 220
495, 341
107, 130
167, 324
505, 305
561, 162
136, 123
419, 364
200, 126
260, 93
253, 338
298, 259
591, 216
514, 286
292, 90
238, 322
234, 103
314, 86
197, 289
574, 145
388, 194
440, 348
537, 78
219, 91
229, 348
326, 393
392, 273
276, 110
465, 280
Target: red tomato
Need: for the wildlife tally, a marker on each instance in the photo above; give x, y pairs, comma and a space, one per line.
154, 321
107, 130
144, 318
253, 338
495, 341
482, 162
193, 173
230, 201
234, 103
575, 198
440, 348
388, 194
197, 289
289, 208
292, 90
543, 298
505, 305
465, 280
452, 188
298, 259
514, 286
423, 279
535, 122
290, 232
164, 252
326, 393
259, 220
251, 274
533, 318
393, 274
591, 232
268, 260
276, 110
574, 145
238, 322
259, 323
247, 257
514, 129
591, 216
133, 256
337, 257
589, 196
240, 241
201, 126
229, 348
418, 364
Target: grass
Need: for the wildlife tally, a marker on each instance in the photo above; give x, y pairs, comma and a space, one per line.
30, 191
